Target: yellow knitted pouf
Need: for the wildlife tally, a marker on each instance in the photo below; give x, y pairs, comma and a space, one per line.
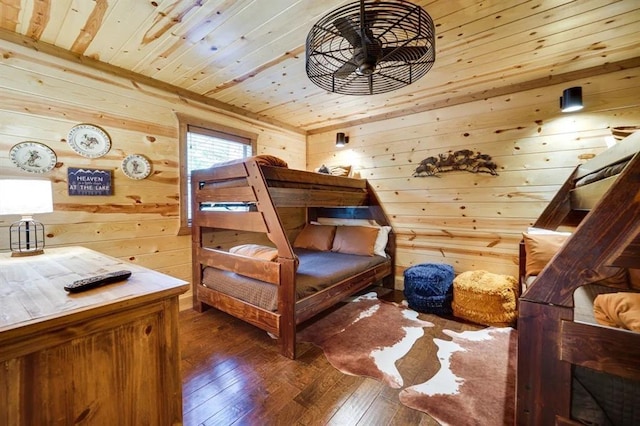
485, 298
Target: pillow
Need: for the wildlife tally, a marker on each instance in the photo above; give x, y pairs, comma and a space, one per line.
620, 310
355, 240
539, 249
315, 237
533, 230
257, 251
340, 170
383, 231
270, 160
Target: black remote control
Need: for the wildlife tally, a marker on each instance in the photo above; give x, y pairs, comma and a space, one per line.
97, 281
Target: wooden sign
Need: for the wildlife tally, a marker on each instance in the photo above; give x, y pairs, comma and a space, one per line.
89, 181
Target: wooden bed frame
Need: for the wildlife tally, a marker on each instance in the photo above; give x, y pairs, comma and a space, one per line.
606, 214
268, 189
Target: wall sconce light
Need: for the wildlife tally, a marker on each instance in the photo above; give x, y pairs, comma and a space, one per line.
341, 140
26, 197
571, 99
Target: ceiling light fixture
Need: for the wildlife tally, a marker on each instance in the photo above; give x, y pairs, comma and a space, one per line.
370, 47
571, 99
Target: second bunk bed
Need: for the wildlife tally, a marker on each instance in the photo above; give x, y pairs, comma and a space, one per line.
578, 359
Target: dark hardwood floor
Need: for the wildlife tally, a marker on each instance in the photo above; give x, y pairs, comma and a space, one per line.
233, 374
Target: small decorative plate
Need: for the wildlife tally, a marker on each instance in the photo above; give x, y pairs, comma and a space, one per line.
33, 157
136, 166
89, 141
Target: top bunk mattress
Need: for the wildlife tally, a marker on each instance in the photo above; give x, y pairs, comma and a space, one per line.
317, 270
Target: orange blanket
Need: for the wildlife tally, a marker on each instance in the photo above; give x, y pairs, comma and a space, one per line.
620, 310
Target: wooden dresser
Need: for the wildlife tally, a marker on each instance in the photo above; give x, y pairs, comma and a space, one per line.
107, 356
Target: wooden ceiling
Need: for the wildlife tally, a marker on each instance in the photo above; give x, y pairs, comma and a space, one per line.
250, 54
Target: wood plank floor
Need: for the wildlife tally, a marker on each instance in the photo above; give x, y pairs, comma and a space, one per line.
233, 375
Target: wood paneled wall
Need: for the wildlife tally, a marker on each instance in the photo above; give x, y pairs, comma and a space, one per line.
42, 98
475, 220
469, 220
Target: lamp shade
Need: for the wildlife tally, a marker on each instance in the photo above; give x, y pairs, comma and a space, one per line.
571, 99
25, 197
341, 140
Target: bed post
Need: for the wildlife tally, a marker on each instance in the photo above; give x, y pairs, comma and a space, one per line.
377, 212
196, 241
287, 308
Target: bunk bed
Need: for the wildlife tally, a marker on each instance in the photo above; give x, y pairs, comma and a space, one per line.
260, 201
557, 343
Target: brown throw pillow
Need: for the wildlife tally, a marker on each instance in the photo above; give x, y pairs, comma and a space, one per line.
270, 160
355, 240
315, 237
539, 249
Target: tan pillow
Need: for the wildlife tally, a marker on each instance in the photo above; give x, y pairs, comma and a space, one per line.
340, 170
257, 251
539, 249
316, 237
620, 310
355, 240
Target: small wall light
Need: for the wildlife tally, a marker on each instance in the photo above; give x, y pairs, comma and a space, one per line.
341, 140
571, 99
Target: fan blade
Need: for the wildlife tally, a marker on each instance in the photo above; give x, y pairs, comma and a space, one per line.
346, 69
407, 53
348, 31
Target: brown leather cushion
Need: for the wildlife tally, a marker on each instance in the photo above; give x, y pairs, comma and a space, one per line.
316, 237
540, 248
355, 240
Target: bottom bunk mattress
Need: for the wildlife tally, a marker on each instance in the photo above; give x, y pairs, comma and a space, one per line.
317, 270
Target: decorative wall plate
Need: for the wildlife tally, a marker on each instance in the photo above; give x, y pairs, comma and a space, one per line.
33, 157
89, 141
136, 166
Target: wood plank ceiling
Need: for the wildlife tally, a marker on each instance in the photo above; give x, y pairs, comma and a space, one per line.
249, 54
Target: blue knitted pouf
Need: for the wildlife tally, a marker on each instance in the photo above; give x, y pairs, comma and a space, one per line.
428, 288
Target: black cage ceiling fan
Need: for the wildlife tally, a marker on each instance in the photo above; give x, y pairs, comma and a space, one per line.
370, 47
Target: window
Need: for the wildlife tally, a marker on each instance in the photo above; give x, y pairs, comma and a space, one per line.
203, 144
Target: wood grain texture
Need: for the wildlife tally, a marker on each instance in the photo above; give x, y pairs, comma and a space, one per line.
126, 327
239, 57
43, 97
233, 373
494, 89
474, 220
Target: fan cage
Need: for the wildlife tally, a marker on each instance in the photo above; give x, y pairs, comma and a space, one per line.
395, 24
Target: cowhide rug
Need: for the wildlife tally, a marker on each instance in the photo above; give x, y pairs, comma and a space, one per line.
366, 337
476, 382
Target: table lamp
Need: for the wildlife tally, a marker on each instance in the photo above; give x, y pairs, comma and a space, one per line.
26, 198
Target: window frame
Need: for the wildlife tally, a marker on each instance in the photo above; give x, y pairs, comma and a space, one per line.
217, 130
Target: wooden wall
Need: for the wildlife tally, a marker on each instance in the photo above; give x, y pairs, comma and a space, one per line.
469, 220
474, 220
42, 98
